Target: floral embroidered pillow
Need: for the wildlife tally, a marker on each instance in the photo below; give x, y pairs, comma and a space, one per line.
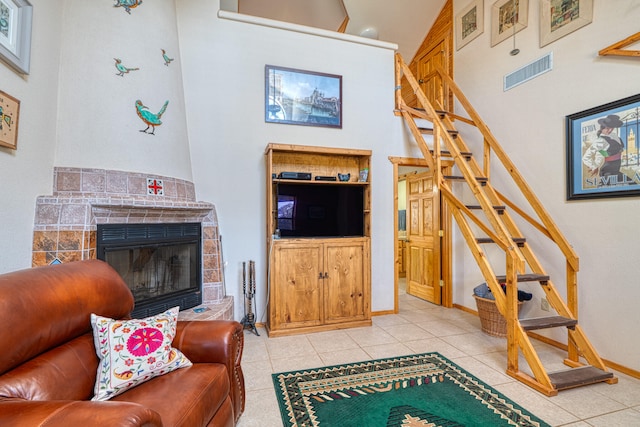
134, 351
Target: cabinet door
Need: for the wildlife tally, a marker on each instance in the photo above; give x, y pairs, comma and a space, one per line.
346, 281
296, 286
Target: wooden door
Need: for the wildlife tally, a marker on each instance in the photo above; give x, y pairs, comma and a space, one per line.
346, 277
296, 286
430, 81
423, 241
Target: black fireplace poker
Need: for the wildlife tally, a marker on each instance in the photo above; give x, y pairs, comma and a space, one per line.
249, 292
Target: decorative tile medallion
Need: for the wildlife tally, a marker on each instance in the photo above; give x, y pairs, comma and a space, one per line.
155, 187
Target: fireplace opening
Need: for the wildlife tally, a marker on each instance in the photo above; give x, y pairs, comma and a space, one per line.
161, 263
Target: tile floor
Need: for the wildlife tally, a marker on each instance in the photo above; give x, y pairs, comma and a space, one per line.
422, 327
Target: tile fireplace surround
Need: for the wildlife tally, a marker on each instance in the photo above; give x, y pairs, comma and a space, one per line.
65, 222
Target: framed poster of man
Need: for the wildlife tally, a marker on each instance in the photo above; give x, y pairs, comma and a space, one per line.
603, 150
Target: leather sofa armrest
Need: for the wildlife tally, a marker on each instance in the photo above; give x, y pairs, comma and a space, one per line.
216, 341
64, 413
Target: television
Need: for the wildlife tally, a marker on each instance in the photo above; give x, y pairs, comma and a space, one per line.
320, 210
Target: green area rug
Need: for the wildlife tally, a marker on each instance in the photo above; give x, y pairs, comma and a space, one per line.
418, 390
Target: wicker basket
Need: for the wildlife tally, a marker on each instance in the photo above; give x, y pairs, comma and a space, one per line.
492, 322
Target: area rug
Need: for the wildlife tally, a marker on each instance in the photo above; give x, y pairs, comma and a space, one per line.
410, 391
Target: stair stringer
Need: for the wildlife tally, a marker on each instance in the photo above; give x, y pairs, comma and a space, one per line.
503, 231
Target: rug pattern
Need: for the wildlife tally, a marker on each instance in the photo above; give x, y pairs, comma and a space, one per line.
425, 385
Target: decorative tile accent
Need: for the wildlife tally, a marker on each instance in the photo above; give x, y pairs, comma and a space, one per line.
155, 187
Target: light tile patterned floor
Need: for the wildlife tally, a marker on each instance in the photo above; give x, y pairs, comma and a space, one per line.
423, 327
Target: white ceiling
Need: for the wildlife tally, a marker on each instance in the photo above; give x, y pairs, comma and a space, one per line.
404, 22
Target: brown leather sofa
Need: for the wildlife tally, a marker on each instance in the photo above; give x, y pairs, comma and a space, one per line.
48, 361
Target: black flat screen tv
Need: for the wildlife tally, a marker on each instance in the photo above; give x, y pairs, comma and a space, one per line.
320, 210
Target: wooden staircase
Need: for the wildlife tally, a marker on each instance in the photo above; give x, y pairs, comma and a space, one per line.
490, 220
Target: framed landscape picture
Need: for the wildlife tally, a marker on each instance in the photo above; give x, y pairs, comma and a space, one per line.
561, 17
603, 158
301, 97
469, 23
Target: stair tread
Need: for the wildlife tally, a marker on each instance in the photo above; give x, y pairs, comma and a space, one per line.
447, 153
536, 323
496, 207
439, 112
530, 277
517, 240
461, 178
576, 377
451, 132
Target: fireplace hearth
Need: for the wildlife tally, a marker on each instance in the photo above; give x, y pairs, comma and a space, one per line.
66, 230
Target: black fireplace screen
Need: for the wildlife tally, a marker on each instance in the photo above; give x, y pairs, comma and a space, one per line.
159, 262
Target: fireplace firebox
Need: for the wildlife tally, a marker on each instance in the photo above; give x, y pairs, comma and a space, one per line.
161, 263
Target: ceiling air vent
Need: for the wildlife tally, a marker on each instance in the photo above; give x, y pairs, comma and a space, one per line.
529, 71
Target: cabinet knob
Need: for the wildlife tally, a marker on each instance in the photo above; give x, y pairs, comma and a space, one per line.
326, 275
320, 275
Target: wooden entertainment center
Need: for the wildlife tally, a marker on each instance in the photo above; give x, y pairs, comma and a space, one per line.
319, 278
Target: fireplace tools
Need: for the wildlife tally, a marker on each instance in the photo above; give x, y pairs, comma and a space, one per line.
249, 320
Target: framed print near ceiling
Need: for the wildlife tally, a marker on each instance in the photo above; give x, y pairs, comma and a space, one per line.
603, 151
561, 17
469, 23
299, 97
505, 14
15, 33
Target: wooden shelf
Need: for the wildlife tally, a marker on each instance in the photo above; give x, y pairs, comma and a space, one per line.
312, 181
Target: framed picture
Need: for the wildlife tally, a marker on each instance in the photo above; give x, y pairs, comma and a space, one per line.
603, 148
9, 112
15, 33
469, 23
300, 97
561, 17
507, 18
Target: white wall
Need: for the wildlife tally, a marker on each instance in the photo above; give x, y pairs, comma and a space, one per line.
529, 121
28, 171
99, 126
223, 66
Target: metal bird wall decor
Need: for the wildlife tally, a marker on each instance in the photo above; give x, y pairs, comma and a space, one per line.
128, 4
150, 119
166, 58
122, 70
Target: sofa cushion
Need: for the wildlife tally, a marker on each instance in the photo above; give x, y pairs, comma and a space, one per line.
72, 364
185, 397
44, 307
134, 351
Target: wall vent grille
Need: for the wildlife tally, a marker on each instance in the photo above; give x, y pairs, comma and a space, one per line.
529, 71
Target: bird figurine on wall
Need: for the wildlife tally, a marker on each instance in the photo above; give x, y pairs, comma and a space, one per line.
122, 70
128, 4
152, 120
166, 58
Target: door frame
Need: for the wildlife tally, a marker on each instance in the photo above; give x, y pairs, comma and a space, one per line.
446, 274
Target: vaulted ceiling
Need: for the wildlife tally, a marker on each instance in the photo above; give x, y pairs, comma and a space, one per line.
404, 22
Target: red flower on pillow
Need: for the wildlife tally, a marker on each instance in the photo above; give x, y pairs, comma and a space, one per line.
144, 341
